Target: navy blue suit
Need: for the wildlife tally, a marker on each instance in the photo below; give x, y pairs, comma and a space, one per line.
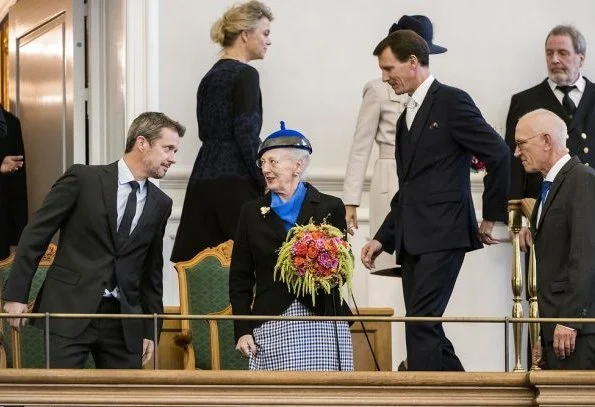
432, 220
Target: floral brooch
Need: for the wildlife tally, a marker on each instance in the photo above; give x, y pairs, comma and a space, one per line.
264, 210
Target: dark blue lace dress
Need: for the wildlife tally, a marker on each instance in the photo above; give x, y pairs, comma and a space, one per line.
225, 175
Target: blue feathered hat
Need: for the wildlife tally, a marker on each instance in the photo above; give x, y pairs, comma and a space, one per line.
285, 138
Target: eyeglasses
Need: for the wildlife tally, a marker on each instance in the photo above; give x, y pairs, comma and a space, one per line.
272, 163
521, 143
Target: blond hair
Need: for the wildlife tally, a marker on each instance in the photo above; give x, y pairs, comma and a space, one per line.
241, 17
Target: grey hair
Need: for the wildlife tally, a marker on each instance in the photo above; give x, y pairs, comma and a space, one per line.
578, 41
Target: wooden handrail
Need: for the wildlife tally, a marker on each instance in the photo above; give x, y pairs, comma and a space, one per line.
200, 387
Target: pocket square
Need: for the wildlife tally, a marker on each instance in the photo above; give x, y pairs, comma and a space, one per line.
434, 125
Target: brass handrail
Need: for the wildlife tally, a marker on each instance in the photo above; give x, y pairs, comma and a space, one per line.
364, 318
515, 223
156, 317
517, 210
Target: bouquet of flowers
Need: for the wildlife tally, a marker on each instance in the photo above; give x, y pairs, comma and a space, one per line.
315, 257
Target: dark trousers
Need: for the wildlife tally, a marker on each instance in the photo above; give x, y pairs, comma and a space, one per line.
428, 281
583, 357
103, 339
210, 214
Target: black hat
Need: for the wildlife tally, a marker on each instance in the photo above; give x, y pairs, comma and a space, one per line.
285, 138
422, 26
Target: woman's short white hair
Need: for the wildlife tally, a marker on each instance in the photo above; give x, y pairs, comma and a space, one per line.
299, 154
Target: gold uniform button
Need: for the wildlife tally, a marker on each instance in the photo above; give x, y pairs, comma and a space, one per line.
584, 135
586, 150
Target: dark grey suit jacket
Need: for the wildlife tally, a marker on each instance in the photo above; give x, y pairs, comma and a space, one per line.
82, 206
565, 248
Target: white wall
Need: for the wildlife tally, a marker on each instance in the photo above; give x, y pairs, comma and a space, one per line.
312, 78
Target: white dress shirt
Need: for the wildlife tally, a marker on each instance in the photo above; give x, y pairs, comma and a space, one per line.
124, 188
416, 99
551, 175
575, 94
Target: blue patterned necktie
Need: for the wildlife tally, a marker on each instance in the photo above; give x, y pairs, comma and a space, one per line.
545, 187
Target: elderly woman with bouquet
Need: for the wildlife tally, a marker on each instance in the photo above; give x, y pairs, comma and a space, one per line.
290, 258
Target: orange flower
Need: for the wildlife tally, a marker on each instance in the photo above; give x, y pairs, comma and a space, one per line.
312, 252
301, 249
317, 235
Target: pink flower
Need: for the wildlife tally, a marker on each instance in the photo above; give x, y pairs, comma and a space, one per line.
477, 165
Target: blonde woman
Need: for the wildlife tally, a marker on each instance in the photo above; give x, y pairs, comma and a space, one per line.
229, 113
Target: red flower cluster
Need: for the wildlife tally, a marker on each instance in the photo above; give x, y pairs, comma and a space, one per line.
316, 252
477, 165
315, 258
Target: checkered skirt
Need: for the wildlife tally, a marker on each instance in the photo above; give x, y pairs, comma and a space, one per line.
299, 345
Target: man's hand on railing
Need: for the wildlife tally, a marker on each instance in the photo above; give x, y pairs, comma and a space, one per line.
148, 350
12, 307
525, 239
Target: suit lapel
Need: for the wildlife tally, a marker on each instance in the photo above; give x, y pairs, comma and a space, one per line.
551, 196
109, 187
584, 108
148, 210
419, 122
551, 102
308, 206
398, 153
271, 220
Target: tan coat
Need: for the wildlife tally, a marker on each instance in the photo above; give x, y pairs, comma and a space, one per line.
376, 122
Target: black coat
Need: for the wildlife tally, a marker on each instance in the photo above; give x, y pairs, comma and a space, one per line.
254, 257
581, 132
13, 188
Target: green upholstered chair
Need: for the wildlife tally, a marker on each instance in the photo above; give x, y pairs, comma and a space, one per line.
204, 290
25, 348
4, 268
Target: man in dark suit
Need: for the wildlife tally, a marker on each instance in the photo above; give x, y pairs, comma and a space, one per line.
432, 220
13, 185
109, 260
566, 93
562, 223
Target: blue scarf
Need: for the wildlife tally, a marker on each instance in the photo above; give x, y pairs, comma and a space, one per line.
289, 211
